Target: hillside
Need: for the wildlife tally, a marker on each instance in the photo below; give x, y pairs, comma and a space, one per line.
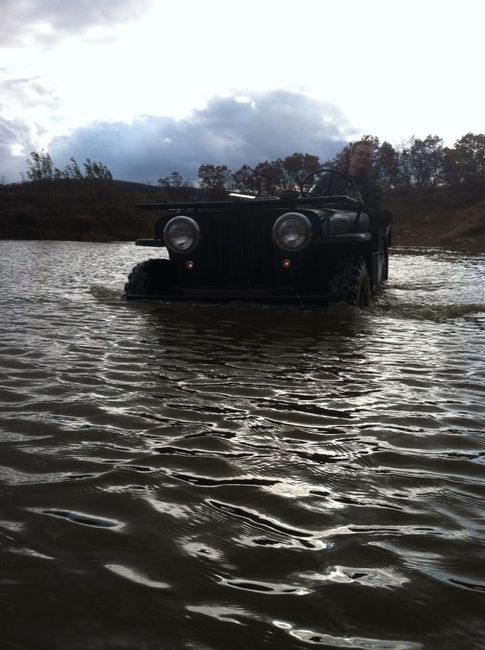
84, 210
99, 210
440, 217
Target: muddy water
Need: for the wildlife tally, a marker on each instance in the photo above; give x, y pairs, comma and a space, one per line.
232, 477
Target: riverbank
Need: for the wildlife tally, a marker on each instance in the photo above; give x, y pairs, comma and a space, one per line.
439, 218
458, 230
106, 211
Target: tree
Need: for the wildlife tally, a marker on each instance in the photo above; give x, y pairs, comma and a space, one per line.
422, 161
470, 156
96, 171
174, 180
451, 173
214, 178
386, 165
295, 168
267, 178
72, 170
40, 166
244, 180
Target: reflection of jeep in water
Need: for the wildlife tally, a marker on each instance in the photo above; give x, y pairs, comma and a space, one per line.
297, 248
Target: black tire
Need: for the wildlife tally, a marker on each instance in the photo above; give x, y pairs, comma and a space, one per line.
150, 278
350, 282
385, 265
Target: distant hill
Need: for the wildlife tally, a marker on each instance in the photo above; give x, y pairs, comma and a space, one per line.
103, 210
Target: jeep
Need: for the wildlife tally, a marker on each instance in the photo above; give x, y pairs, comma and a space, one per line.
300, 247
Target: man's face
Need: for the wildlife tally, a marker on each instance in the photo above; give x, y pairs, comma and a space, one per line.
361, 159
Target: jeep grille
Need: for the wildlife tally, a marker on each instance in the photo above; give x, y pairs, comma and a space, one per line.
235, 249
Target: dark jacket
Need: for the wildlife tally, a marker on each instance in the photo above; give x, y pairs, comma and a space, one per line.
370, 191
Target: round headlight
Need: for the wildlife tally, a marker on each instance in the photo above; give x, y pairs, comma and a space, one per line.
181, 234
292, 231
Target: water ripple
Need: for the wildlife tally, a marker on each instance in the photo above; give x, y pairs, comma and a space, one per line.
233, 476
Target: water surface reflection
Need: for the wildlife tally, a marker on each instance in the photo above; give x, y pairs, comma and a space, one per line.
187, 476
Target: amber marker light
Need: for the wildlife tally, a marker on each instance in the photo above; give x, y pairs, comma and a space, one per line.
286, 264
189, 265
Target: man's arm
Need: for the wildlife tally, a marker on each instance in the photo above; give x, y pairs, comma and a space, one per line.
372, 196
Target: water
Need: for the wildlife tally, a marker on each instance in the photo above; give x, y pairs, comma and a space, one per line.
231, 477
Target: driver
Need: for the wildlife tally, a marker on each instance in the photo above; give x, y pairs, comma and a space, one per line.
360, 162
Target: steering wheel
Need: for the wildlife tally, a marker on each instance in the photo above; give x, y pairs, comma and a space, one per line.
331, 175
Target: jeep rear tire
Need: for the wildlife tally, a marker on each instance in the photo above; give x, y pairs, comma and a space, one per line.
350, 282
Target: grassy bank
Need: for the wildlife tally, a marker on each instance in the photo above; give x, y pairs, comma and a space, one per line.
101, 210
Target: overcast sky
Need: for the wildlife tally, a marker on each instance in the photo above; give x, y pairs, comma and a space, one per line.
150, 86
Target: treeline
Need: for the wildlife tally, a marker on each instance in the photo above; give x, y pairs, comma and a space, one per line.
40, 167
436, 193
418, 164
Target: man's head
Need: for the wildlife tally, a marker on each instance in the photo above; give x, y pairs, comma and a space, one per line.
360, 157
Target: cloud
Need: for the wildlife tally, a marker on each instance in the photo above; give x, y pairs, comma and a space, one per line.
24, 93
229, 130
26, 107
48, 21
15, 135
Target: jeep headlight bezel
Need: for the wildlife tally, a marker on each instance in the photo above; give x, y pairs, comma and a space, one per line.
181, 234
292, 232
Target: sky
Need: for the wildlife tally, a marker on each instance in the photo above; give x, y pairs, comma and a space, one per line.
149, 86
